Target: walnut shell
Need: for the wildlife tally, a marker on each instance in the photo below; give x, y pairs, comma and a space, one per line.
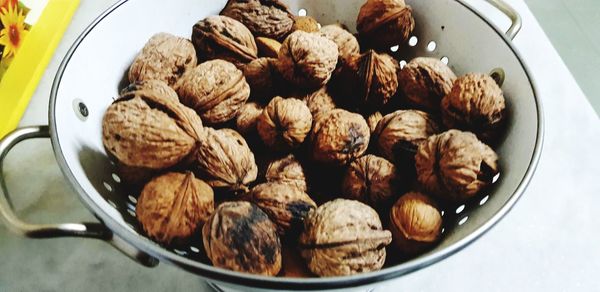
475, 103
267, 47
425, 81
216, 89
344, 237
147, 129
286, 205
402, 131
159, 87
165, 57
287, 170
373, 120
385, 23
240, 237
347, 43
307, 60
319, 101
262, 77
339, 136
373, 78
415, 222
172, 206
371, 180
221, 37
306, 23
285, 123
248, 117
264, 18
455, 165
225, 158
134, 177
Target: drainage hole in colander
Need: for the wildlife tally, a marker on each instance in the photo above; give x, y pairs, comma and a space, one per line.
402, 64
484, 200
394, 48
460, 209
413, 41
180, 252
443, 230
107, 186
112, 203
81, 110
194, 249
498, 75
431, 46
116, 178
463, 220
443, 212
445, 60
302, 12
132, 199
131, 212
130, 206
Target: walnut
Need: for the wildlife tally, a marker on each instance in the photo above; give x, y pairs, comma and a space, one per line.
262, 77
286, 205
239, 236
415, 222
173, 205
402, 131
225, 158
248, 117
425, 81
306, 23
455, 165
348, 46
385, 23
293, 265
285, 123
267, 47
373, 79
475, 103
221, 37
265, 18
216, 89
287, 170
307, 60
373, 121
371, 180
319, 101
165, 57
147, 129
134, 177
339, 136
159, 87
344, 237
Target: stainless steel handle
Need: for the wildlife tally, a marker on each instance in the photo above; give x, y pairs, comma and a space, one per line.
515, 18
87, 230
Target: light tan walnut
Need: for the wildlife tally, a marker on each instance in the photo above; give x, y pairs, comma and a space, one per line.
285, 123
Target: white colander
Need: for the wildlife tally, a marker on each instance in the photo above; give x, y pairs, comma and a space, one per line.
93, 70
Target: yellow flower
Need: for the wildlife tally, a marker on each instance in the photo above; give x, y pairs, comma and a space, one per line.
13, 33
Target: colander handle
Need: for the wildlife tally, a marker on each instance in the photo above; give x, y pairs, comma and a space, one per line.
515, 18
88, 230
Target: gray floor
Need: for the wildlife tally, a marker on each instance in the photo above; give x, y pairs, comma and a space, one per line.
572, 26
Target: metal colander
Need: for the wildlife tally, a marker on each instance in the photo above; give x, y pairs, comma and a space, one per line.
93, 70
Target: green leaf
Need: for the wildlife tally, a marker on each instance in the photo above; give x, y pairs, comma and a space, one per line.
23, 8
4, 64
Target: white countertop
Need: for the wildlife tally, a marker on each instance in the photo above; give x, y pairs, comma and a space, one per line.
548, 242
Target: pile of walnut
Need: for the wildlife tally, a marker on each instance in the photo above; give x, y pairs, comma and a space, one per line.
273, 135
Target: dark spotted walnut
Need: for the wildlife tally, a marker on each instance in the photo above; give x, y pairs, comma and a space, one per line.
307, 60
264, 18
226, 160
339, 136
425, 81
400, 133
416, 223
172, 206
287, 170
165, 57
215, 89
476, 104
240, 237
371, 180
221, 37
455, 165
284, 124
344, 237
385, 23
286, 205
148, 129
